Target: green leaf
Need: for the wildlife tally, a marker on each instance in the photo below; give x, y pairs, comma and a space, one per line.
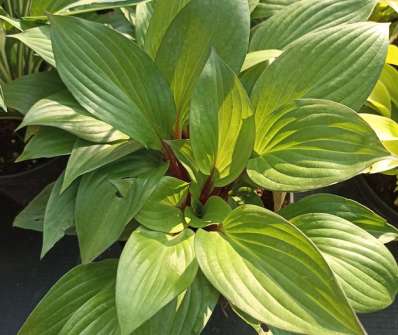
305, 70
102, 212
96, 316
221, 123
162, 210
389, 78
39, 86
47, 143
32, 216
364, 267
257, 57
253, 4
347, 209
155, 268
305, 16
38, 39
380, 99
213, 212
143, 15
185, 315
72, 291
267, 8
186, 46
268, 269
2, 99
386, 130
87, 157
86, 6
164, 12
113, 79
61, 110
313, 143
59, 215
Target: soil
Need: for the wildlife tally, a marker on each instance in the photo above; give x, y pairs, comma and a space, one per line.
384, 186
11, 146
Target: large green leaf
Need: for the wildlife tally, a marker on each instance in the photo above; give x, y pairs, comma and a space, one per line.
87, 157
305, 16
155, 268
59, 215
389, 78
268, 269
66, 297
38, 39
185, 48
39, 86
47, 143
162, 211
185, 315
102, 212
62, 111
32, 216
164, 12
113, 79
380, 99
364, 267
221, 123
346, 209
97, 316
341, 64
313, 143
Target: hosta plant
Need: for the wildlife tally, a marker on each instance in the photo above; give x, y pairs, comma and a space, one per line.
184, 142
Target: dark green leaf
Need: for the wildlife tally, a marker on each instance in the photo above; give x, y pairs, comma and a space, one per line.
72, 291
113, 79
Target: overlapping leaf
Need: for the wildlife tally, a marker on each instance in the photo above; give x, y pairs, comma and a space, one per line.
39, 86
364, 267
264, 266
221, 123
162, 211
62, 111
113, 79
185, 315
155, 268
86, 157
336, 72
185, 48
59, 215
347, 209
72, 291
313, 143
103, 210
305, 16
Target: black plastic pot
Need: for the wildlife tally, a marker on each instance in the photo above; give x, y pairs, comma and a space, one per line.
22, 187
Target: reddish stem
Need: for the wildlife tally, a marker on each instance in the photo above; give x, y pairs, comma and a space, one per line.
175, 169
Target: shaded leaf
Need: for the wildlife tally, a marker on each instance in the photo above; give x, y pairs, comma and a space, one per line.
87, 157
72, 291
59, 215
61, 110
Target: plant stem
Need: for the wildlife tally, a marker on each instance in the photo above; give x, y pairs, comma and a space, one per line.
175, 169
